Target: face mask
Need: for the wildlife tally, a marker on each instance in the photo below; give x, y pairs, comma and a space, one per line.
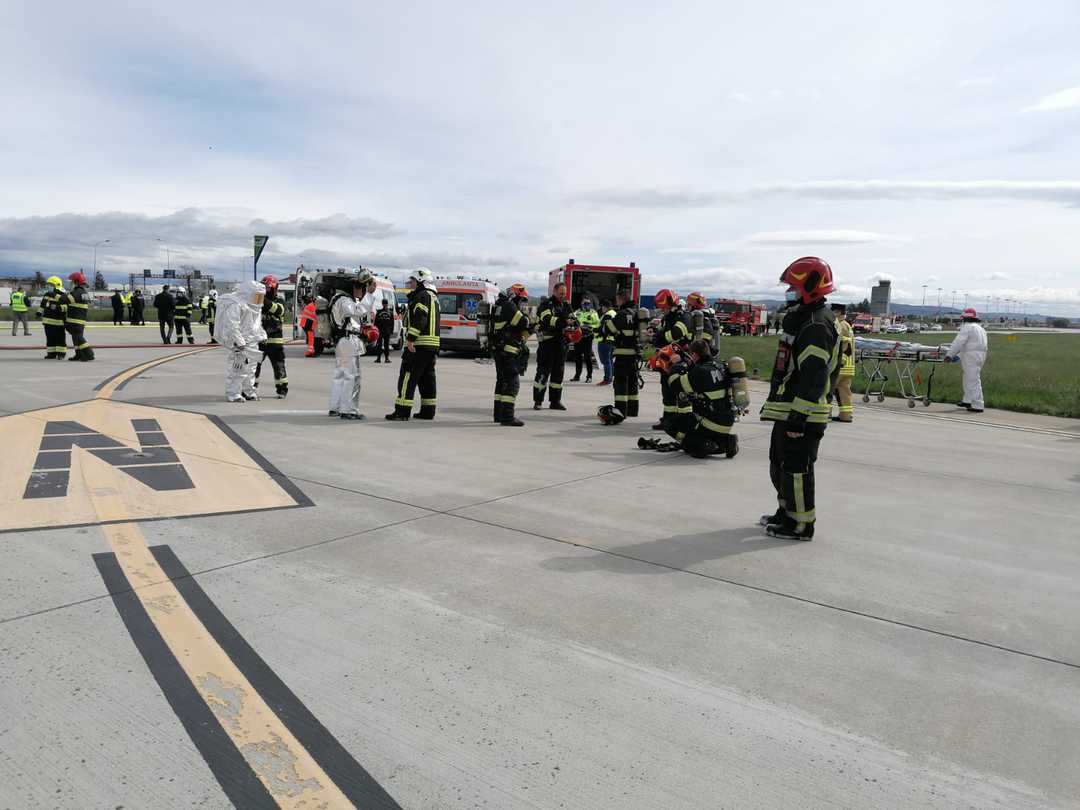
791, 296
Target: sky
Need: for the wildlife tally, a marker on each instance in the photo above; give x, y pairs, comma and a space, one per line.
932, 144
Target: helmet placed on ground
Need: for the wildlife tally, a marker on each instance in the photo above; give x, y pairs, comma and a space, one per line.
271, 283
518, 291
665, 358
696, 300
77, 278
609, 415
573, 333
54, 281
370, 333
666, 299
970, 314
811, 277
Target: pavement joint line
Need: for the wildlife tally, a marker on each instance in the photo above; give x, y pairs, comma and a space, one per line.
781, 594
878, 410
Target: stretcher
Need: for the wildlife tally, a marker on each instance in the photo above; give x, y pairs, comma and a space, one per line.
876, 357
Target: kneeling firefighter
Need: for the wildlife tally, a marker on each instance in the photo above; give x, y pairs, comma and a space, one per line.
421, 350
717, 393
350, 330
239, 326
511, 330
798, 402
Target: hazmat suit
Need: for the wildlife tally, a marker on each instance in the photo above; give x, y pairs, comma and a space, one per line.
969, 347
347, 316
239, 328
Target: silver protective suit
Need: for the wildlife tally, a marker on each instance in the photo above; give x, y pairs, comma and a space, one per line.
350, 314
239, 329
970, 346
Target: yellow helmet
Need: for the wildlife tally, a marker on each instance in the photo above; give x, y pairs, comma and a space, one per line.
54, 281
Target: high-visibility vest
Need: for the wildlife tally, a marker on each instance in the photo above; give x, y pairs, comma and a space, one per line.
18, 301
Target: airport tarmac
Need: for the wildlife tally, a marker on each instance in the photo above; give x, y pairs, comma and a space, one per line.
210, 605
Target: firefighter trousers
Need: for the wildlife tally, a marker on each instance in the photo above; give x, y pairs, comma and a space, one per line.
507, 385
417, 371
625, 385
183, 325
550, 367
843, 398
791, 468
275, 353
78, 340
55, 340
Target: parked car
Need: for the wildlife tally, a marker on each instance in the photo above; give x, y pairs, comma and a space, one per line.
896, 328
936, 327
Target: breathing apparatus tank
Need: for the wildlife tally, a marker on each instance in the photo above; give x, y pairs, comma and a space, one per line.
643, 319
697, 321
484, 322
322, 313
740, 391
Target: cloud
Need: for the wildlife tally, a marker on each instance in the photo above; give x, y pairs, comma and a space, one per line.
1059, 191
334, 225
560, 251
998, 277
1061, 100
976, 81
741, 98
820, 237
874, 279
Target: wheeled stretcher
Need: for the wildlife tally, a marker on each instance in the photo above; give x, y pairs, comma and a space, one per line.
876, 357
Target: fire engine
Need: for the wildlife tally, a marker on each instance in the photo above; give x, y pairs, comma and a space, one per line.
598, 282
740, 317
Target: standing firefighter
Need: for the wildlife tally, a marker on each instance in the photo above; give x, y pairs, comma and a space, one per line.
211, 313
241, 332
78, 308
553, 319
846, 372
421, 349
182, 316
589, 321
798, 391
511, 330
53, 310
623, 328
703, 322
673, 329
273, 348
349, 332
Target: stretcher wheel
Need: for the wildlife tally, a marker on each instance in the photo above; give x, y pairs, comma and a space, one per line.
865, 397
926, 402
880, 397
911, 403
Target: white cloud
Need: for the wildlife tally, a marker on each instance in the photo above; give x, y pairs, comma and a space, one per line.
1062, 100
821, 237
998, 276
874, 279
740, 97
976, 81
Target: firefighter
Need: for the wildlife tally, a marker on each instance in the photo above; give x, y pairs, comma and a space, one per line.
969, 348
846, 371
707, 429
674, 329
273, 348
117, 301
622, 328
182, 316
511, 330
590, 324
704, 326
78, 307
421, 349
605, 342
138, 308
211, 313
52, 311
241, 332
349, 331
553, 318
384, 322
797, 405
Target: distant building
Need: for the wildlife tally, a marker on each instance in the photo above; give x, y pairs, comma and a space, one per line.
880, 298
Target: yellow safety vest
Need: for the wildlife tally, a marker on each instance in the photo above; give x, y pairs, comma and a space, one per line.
18, 301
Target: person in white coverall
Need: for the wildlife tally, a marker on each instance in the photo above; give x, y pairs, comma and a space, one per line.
239, 329
348, 316
969, 348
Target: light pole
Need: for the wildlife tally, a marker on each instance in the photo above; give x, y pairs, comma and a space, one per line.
939, 303
965, 300
954, 299
102, 242
924, 295
168, 261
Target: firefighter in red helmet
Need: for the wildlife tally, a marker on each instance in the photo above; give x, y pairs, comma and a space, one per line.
674, 329
273, 348
798, 404
75, 322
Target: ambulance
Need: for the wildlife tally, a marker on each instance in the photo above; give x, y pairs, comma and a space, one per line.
460, 298
309, 282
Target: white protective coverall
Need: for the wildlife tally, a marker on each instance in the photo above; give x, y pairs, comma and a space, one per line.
239, 329
970, 347
349, 314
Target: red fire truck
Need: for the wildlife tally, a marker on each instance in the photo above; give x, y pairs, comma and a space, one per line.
598, 281
740, 317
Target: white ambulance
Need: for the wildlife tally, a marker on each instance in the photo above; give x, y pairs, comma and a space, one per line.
459, 303
312, 282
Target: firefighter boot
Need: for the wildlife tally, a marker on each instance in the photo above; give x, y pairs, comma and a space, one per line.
788, 529
508, 418
497, 411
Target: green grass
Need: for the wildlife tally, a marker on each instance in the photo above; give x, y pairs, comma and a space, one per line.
1034, 373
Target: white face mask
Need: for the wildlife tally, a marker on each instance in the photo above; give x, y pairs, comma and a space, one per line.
791, 296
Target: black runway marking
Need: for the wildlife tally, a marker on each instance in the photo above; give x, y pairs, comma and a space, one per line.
224, 759
352, 779
279, 477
